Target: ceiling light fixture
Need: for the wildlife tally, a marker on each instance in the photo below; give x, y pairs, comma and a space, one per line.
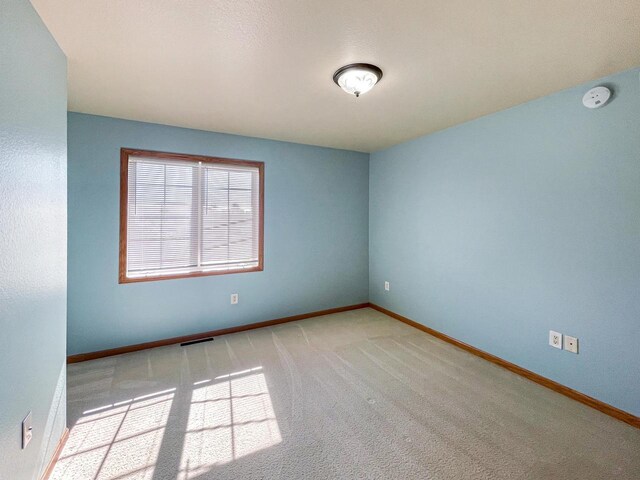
357, 78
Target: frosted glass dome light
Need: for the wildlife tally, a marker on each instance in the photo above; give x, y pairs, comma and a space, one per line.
357, 78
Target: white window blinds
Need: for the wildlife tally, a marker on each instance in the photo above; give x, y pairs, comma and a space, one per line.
191, 217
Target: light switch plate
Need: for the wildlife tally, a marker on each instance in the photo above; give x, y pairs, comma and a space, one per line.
571, 344
555, 339
386, 286
27, 430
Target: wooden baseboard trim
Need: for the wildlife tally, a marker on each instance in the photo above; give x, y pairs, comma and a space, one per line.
534, 377
56, 455
83, 357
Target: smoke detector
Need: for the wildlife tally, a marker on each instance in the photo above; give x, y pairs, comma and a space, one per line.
596, 97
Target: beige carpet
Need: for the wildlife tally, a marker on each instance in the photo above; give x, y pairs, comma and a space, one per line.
350, 395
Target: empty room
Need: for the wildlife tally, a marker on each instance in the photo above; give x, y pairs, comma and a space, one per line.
317, 239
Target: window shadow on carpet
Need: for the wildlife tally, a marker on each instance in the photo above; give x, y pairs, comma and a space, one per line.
178, 433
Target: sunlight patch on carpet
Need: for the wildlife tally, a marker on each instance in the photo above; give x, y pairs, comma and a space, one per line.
120, 440
229, 418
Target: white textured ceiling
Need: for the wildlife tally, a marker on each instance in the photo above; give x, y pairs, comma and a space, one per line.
264, 68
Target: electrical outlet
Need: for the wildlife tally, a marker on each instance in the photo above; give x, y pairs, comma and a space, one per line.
571, 344
386, 286
234, 299
555, 339
27, 430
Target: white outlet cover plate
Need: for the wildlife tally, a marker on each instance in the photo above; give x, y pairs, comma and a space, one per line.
234, 298
571, 344
27, 430
386, 286
555, 339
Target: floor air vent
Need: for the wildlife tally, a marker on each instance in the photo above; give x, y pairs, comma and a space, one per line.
201, 340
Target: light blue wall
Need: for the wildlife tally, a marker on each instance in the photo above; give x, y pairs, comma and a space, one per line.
33, 235
498, 230
316, 237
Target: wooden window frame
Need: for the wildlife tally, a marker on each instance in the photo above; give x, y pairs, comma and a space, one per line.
125, 153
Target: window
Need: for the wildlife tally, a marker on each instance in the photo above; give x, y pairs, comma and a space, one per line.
184, 216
